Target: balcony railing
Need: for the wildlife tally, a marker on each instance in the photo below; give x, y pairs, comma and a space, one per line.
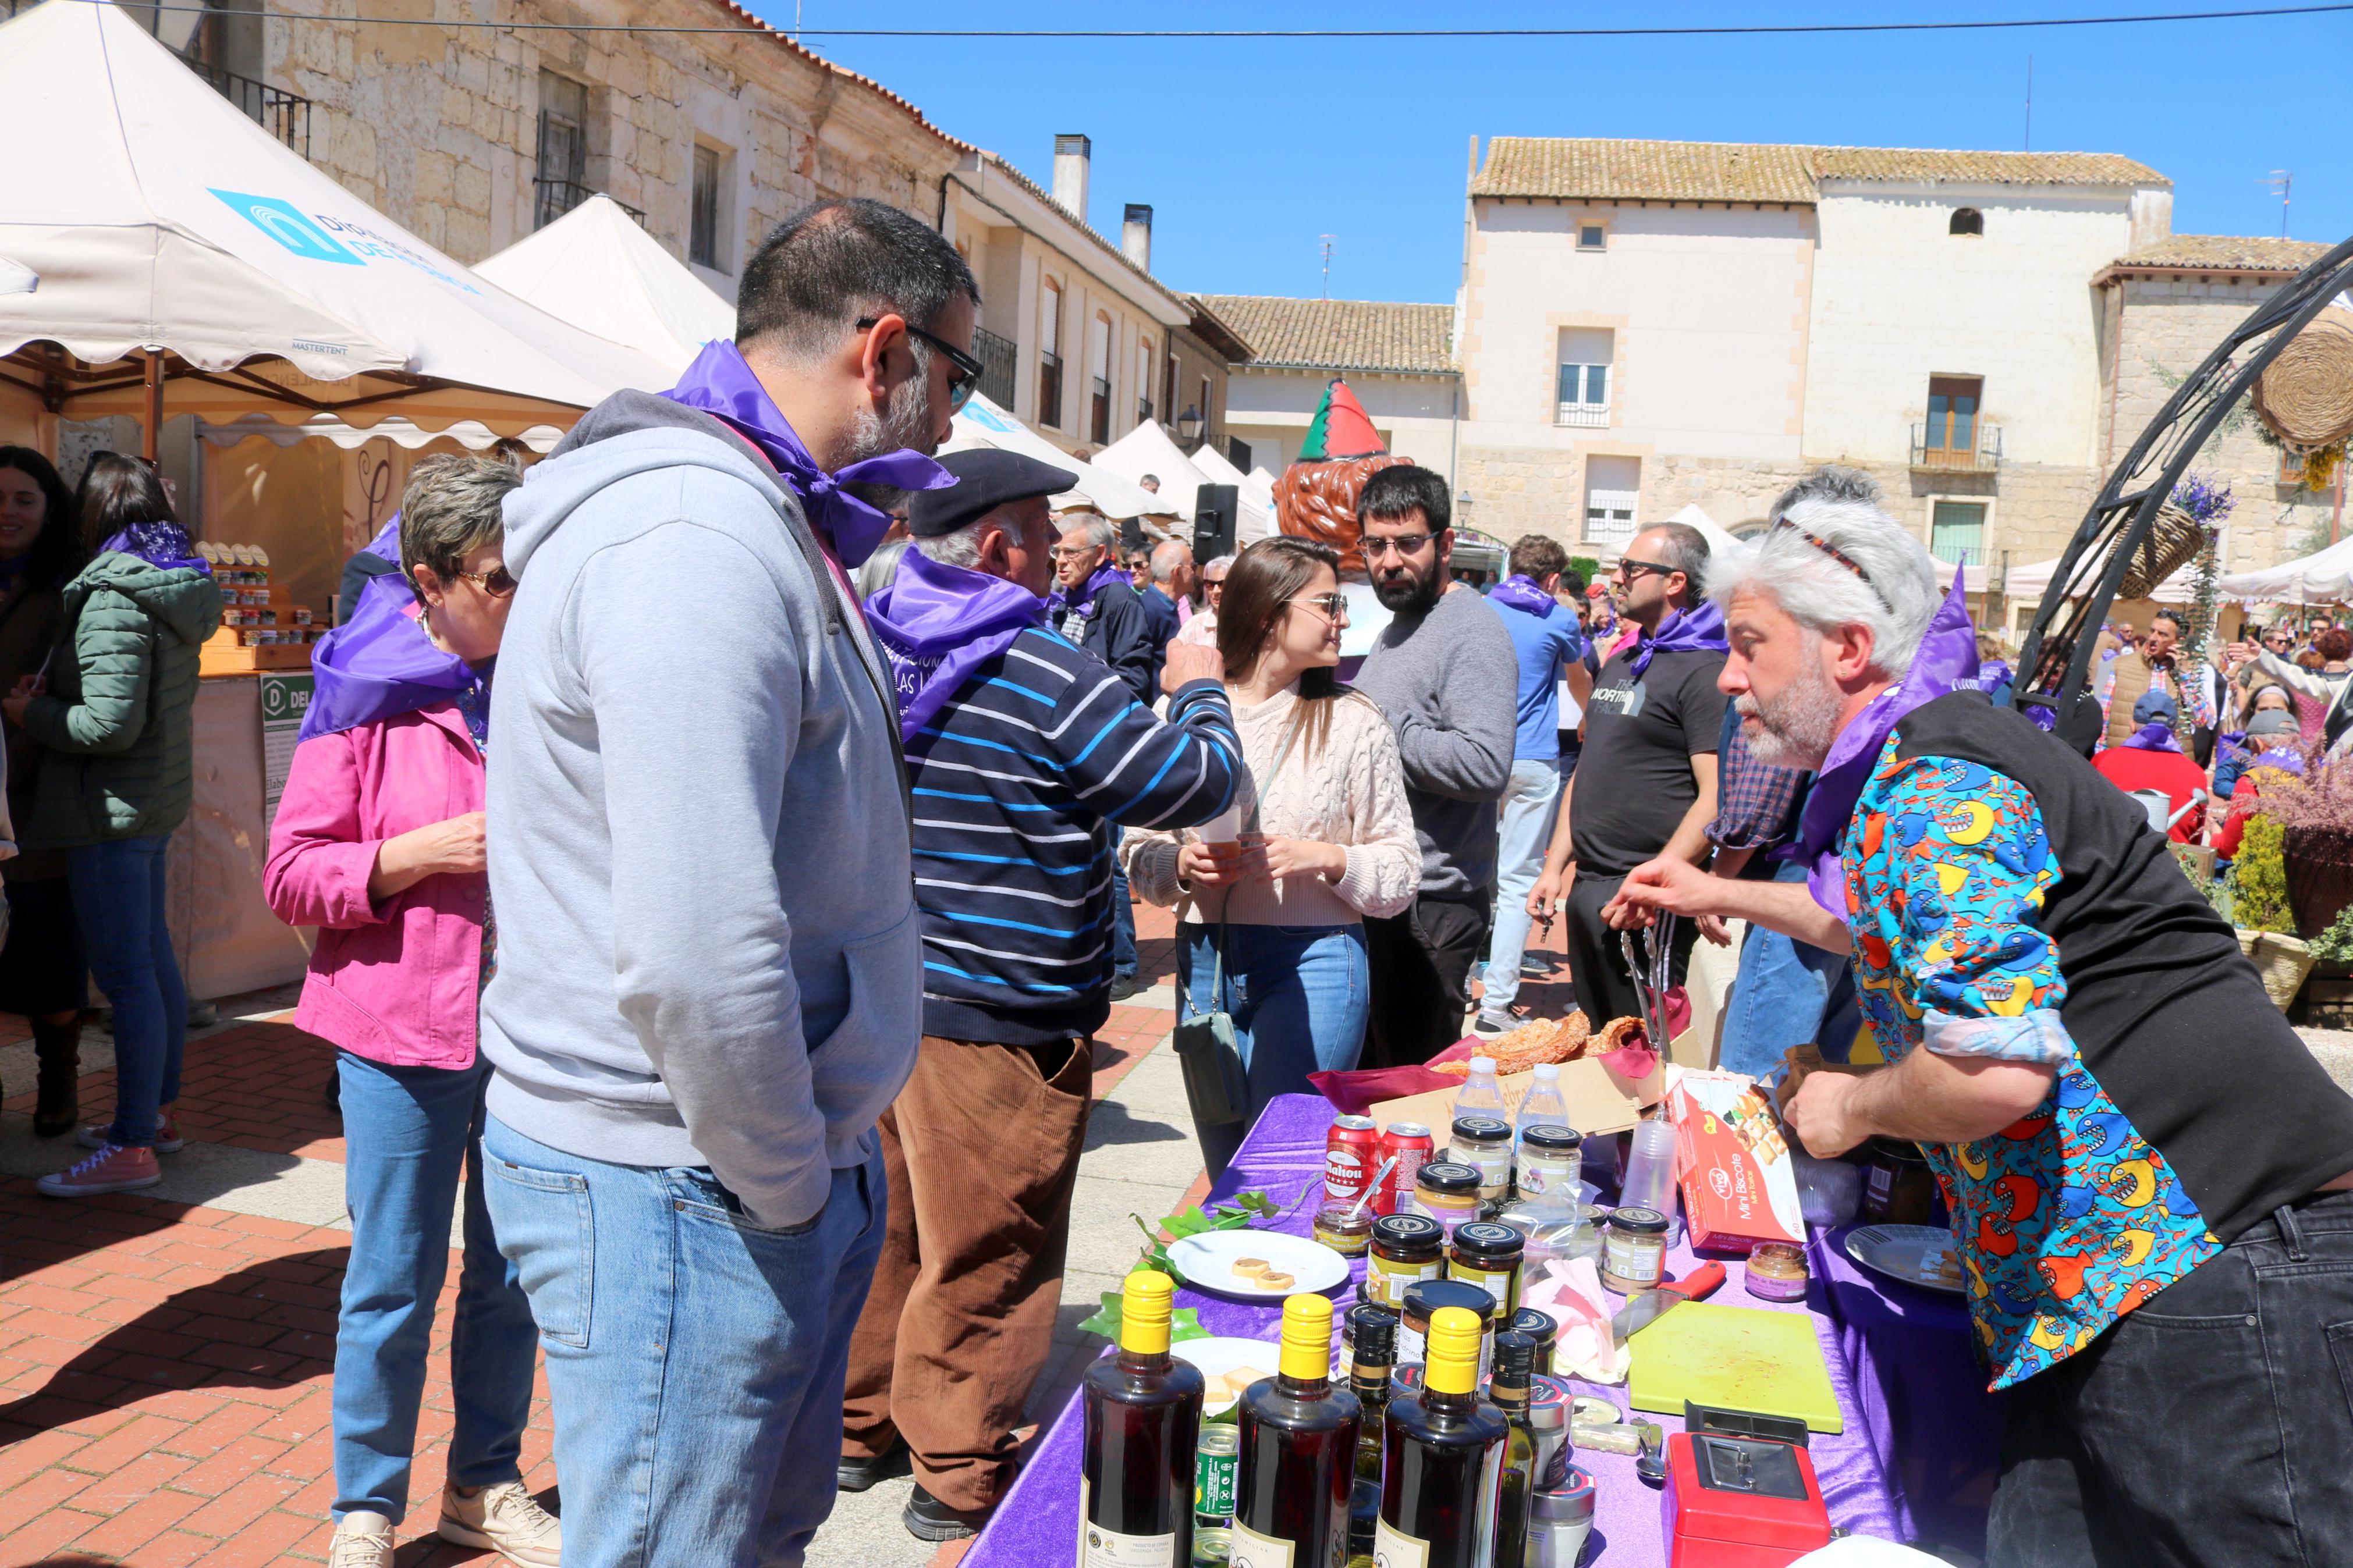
283, 114
553, 198
1984, 458
997, 358
1099, 420
1050, 390
1589, 415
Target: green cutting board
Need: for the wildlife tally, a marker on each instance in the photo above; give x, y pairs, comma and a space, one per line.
1735, 1358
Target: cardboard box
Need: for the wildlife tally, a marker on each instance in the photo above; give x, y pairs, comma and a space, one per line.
1599, 1100
1732, 1159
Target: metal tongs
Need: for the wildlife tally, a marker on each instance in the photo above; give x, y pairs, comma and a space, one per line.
1652, 973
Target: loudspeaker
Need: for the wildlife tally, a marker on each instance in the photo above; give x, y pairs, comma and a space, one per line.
1216, 511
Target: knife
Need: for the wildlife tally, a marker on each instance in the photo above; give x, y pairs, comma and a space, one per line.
1646, 1307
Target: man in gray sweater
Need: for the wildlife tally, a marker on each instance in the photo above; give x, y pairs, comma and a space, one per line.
708, 984
1444, 673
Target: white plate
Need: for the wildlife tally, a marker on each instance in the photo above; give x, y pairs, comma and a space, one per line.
1896, 1251
1217, 1357
1207, 1261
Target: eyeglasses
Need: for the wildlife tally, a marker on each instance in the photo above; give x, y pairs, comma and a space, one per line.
1073, 552
498, 582
1403, 543
962, 386
1630, 569
1332, 606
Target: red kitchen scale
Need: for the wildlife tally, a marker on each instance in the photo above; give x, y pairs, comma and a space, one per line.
1741, 1492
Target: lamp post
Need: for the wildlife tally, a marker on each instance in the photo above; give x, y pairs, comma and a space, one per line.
1189, 426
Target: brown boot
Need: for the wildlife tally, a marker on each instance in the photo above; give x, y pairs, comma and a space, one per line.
58, 1047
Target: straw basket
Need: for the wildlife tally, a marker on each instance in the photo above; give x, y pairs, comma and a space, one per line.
2283, 962
2305, 396
2173, 542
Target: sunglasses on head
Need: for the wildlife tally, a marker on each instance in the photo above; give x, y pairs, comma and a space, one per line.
966, 379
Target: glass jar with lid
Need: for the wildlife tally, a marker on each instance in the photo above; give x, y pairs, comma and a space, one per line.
1634, 1250
1487, 1256
1551, 1165
1484, 1143
1406, 1248
1448, 1192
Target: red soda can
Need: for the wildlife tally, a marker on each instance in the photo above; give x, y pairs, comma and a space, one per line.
1411, 1143
1351, 1155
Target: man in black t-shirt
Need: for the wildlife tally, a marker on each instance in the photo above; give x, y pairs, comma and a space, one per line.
1645, 782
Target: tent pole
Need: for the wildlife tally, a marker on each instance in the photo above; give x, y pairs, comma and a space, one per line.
151, 442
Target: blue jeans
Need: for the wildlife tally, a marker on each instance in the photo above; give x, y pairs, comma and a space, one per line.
1123, 924
118, 897
409, 1132
695, 1359
1299, 997
1789, 993
1529, 803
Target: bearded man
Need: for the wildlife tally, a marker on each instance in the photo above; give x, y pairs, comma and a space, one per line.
2147, 1171
1444, 673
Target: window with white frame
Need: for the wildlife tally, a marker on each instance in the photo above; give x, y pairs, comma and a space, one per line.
1613, 493
1584, 359
1956, 533
1592, 237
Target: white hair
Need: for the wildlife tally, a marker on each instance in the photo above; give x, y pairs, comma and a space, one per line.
1892, 586
1168, 559
962, 547
1216, 563
882, 568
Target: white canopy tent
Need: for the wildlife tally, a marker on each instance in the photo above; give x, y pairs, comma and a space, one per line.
1720, 541
1146, 449
597, 269
168, 230
2033, 581
2324, 577
981, 422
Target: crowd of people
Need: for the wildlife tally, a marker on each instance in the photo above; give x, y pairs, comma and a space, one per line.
736, 970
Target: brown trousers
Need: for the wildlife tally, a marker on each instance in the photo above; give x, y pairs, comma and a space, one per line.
982, 1150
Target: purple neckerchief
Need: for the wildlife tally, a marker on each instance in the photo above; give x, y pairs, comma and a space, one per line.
386, 542
1686, 631
381, 664
719, 382
1520, 591
2153, 737
162, 544
1060, 604
936, 623
1948, 658
2286, 762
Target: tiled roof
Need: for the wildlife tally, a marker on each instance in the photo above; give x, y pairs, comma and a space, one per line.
1340, 334
1612, 169
2226, 253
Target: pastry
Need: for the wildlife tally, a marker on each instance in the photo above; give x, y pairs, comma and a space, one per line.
1274, 1280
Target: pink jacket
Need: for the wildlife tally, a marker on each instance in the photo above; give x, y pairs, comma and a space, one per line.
395, 983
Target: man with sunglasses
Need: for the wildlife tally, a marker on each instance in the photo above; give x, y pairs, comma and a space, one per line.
1645, 782
1444, 674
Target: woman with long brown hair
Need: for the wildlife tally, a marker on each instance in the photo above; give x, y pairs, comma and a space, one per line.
1270, 917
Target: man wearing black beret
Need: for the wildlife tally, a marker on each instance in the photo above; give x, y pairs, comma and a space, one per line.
1025, 753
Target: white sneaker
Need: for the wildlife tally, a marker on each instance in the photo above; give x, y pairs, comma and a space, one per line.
503, 1518
362, 1539
1487, 1029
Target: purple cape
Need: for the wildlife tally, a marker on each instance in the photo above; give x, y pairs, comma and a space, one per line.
380, 664
936, 623
2153, 737
1060, 604
1520, 592
719, 382
1686, 631
1946, 662
162, 544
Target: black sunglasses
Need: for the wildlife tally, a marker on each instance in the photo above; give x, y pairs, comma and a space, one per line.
964, 383
1630, 568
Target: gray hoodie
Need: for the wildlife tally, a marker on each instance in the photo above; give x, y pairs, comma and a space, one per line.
707, 943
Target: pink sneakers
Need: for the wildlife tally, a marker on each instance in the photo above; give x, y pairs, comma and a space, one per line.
110, 1170
167, 1135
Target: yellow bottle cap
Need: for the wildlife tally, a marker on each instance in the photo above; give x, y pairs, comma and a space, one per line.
1452, 1366
1307, 1336
1144, 1311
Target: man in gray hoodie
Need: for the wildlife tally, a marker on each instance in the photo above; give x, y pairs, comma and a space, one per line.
708, 980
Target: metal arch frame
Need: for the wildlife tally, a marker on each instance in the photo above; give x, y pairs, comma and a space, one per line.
2119, 521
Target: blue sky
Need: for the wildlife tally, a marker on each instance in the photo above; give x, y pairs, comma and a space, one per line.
1251, 151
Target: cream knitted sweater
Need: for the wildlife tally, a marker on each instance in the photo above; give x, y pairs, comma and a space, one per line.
1350, 793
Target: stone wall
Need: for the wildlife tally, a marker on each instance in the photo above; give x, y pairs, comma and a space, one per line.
437, 127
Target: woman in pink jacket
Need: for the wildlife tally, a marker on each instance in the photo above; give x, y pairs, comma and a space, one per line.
378, 842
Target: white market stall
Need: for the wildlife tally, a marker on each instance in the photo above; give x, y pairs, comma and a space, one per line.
980, 423
2321, 578
597, 268
175, 267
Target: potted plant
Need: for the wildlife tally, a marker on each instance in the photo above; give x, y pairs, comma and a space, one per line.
2316, 811
2260, 907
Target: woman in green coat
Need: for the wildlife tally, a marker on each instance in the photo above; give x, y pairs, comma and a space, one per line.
114, 714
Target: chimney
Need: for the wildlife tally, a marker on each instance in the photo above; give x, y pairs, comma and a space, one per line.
1073, 155
1135, 236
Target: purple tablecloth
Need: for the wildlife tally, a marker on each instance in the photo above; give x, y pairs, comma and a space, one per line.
1922, 1396
1037, 1525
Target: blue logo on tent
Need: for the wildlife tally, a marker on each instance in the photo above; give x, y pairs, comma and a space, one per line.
289, 227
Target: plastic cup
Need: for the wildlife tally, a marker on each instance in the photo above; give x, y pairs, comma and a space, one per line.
1650, 1169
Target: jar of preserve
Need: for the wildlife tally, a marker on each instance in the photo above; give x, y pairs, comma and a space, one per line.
1898, 1187
1427, 1297
1487, 1256
1406, 1248
1346, 1225
1776, 1271
1538, 1326
1634, 1250
1484, 1143
1448, 1192
1551, 1164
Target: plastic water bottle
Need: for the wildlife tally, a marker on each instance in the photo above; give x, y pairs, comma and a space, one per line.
1481, 1095
1542, 1105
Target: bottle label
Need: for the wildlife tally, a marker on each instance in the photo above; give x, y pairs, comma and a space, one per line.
1100, 1548
1390, 1279
1393, 1548
1251, 1549
1496, 1282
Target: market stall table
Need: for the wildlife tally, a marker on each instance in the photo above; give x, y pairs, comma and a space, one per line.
1036, 1524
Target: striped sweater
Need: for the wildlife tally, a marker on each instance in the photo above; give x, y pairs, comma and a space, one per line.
1021, 783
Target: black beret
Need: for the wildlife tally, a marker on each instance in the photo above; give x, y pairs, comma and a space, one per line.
986, 480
